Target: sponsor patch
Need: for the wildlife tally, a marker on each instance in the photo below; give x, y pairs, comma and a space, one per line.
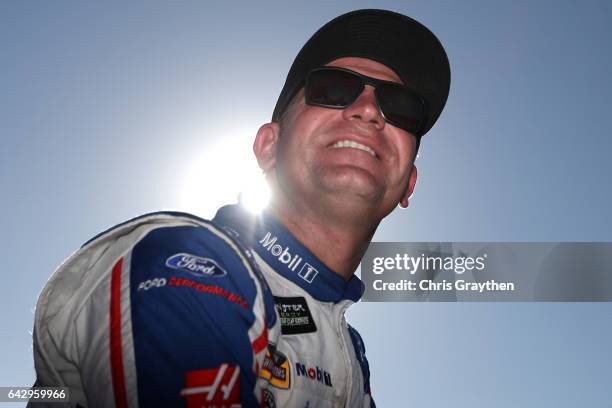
212, 289
154, 283
294, 315
213, 387
315, 374
195, 265
275, 369
282, 253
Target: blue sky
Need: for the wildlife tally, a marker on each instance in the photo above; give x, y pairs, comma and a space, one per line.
111, 110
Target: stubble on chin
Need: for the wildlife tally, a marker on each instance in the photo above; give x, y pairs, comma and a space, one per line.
349, 181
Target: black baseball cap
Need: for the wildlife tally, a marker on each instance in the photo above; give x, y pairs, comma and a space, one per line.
395, 40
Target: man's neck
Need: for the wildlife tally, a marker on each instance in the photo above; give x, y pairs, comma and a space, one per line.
338, 242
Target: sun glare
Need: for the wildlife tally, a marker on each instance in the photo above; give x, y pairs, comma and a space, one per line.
255, 197
219, 173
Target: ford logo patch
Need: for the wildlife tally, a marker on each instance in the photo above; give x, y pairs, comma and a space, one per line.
195, 265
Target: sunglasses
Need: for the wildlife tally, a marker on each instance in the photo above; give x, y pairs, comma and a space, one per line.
338, 88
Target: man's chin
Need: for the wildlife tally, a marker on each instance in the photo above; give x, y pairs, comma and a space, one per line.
351, 176
358, 188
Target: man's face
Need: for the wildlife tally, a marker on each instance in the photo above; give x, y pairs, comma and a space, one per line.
351, 156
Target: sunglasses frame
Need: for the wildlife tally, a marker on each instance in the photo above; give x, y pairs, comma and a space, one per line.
375, 82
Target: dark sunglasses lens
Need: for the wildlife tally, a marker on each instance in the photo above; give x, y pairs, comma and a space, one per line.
401, 107
332, 88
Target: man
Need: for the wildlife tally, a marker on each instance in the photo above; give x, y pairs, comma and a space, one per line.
171, 310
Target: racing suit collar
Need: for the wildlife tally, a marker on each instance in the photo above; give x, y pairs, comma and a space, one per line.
286, 255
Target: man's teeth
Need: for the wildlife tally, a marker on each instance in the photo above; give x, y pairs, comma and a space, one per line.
354, 145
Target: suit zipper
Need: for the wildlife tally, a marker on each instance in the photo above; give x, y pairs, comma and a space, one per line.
345, 354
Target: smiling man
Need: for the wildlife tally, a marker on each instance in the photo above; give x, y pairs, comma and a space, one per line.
336, 173
171, 310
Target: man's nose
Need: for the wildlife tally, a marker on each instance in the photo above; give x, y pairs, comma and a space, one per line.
366, 109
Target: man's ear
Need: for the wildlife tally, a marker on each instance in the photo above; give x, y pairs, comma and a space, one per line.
411, 183
266, 143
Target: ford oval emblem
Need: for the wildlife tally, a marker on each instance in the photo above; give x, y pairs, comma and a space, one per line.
195, 265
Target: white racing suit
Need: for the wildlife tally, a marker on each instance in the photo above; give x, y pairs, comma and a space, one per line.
171, 310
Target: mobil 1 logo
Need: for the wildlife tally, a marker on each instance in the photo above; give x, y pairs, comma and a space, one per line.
294, 315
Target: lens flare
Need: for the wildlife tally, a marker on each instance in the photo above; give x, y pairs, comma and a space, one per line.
220, 173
